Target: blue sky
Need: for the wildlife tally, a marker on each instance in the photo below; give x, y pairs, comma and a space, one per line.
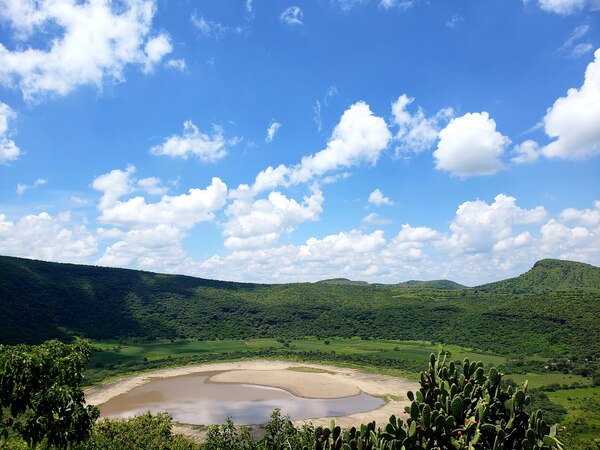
276, 141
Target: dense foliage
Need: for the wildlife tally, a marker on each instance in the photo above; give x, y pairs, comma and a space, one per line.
40, 300
40, 393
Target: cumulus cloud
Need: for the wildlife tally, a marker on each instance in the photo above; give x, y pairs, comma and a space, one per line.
527, 152
21, 188
257, 223
566, 7
152, 186
149, 234
184, 211
478, 226
358, 138
484, 242
273, 127
48, 238
157, 248
292, 16
98, 40
377, 198
574, 121
8, 149
416, 132
470, 145
205, 147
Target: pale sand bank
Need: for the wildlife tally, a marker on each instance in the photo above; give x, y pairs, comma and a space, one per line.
301, 384
337, 382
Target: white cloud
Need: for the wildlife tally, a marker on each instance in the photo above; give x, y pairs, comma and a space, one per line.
400, 4
359, 137
8, 149
113, 185
156, 48
317, 115
207, 148
209, 28
574, 49
183, 211
250, 8
377, 198
470, 145
177, 64
583, 217
566, 7
21, 188
292, 16
157, 248
454, 21
574, 120
347, 5
273, 127
375, 219
416, 132
152, 186
45, 237
99, 39
329, 94
256, 223
527, 152
80, 201
478, 226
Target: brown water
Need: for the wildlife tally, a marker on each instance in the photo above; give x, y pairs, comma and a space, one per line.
195, 400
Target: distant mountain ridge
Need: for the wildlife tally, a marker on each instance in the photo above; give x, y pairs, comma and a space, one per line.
42, 300
549, 275
344, 281
434, 284
427, 284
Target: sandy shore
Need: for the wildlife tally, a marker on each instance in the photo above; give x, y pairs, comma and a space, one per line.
325, 382
301, 384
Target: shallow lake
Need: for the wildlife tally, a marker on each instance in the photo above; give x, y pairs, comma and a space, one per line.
194, 399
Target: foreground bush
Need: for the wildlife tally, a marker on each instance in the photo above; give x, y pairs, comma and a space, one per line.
40, 393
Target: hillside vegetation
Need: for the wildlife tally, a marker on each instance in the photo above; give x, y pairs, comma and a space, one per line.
550, 275
41, 300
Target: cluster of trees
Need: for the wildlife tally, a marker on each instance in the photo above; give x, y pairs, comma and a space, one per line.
458, 406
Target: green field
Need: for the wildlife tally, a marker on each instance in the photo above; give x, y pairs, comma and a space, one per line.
583, 410
410, 356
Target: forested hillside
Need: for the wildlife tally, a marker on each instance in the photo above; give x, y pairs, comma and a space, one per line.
40, 300
550, 275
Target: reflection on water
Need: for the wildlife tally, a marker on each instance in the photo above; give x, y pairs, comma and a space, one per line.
193, 399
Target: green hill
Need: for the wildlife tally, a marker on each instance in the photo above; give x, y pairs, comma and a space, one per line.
41, 300
342, 281
433, 284
550, 275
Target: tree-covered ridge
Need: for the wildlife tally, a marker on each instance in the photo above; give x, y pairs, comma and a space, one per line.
550, 275
40, 300
433, 284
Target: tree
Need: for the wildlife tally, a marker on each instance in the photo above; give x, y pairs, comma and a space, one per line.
40, 393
